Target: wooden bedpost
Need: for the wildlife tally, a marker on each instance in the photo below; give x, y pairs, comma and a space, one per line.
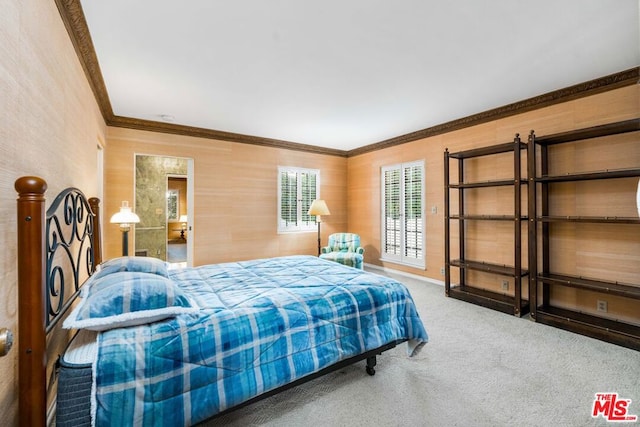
97, 239
32, 314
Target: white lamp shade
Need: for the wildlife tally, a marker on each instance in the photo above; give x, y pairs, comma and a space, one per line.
318, 207
183, 218
125, 216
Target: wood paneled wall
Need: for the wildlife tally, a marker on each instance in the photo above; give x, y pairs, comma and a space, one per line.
363, 190
50, 127
235, 193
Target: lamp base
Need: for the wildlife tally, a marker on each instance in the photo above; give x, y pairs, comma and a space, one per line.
125, 242
319, 238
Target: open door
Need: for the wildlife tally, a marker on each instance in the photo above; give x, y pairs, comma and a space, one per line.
164, 202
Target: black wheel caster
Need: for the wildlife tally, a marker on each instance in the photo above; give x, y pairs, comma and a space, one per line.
371, 371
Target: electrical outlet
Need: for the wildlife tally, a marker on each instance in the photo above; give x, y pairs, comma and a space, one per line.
601, 306
434, 209
505, 285
442, 271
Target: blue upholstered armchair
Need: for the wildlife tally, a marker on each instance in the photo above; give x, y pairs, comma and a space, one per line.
344, 248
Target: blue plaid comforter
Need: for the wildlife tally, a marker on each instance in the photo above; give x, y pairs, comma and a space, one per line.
263, 323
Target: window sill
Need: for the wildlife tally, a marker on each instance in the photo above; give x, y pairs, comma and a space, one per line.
406, 264
296, 231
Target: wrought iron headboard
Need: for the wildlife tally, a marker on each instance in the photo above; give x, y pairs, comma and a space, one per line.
57, 249
69, 248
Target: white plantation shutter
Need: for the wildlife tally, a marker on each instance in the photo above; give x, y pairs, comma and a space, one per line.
413, 211
297, 188
391, 212
309, 189
402, 213
288, 205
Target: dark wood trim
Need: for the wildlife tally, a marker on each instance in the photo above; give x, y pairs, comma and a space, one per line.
75, 22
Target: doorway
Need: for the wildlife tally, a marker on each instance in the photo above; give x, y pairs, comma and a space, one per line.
177, 232
164, 203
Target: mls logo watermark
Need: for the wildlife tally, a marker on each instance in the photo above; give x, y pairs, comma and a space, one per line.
612, 408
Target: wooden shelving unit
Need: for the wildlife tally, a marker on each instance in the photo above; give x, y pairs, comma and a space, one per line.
507, 303
541, 232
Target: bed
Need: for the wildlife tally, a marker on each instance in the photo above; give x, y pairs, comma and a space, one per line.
177, 347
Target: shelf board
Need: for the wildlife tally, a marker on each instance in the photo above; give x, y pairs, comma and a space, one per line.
590, 219
497, 183
591, 132
493, 300
504, 270
616, 332
612, 288
486, 217
584, 176
485, 151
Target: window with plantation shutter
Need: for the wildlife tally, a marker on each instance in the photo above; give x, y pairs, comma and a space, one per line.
297, 188
402, 213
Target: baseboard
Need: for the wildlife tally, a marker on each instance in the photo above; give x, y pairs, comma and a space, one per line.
404, 273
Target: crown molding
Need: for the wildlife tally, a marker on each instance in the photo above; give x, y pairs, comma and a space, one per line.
162, 127
76, 24
581, 90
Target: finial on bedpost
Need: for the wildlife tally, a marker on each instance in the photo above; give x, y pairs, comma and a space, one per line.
27, 186
32, 358
94, 202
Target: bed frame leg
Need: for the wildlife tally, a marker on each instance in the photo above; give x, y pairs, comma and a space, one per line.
32, 313
371, 363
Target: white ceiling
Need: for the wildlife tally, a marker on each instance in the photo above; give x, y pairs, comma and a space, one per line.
345, 74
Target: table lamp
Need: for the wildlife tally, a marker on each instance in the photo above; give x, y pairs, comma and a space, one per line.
318, 208
125, 218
